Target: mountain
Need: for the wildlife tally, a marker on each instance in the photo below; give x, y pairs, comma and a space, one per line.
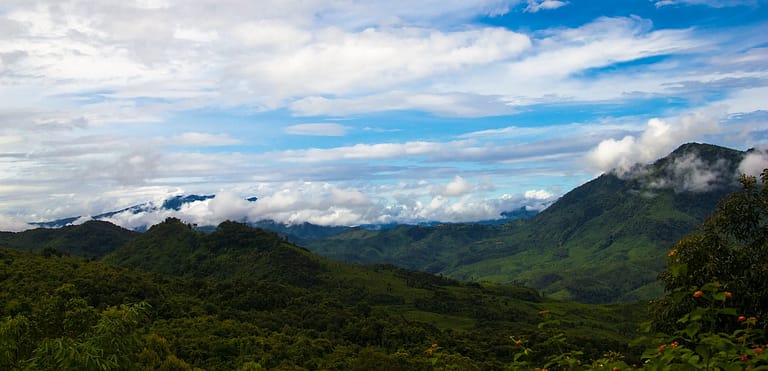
91, 239
297, 232
244, 298
233, 250
173, 203
602, 242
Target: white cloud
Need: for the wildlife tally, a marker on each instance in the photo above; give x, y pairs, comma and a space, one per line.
689, 173
364, 152
658, 139
444, 104
12, 224
539, 194
747, 100
93, 96
457, 187
374, 59
710, 3
204, 139
536, 5
754, 162
323, 129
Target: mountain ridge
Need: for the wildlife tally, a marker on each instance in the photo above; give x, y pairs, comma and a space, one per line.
602, 242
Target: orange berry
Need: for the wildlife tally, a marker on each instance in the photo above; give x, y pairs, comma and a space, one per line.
728, 295
742, 318
758, 350
672, 253
744, 357
674, 345
698, 294
662, 347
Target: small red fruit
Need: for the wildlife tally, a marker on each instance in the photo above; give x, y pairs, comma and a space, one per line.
728, 295
742, 318
744, 357
698, 294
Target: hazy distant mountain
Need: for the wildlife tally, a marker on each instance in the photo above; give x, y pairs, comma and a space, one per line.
603, 241
173, 203
293, 231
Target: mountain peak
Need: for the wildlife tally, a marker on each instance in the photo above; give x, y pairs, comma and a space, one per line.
708, 152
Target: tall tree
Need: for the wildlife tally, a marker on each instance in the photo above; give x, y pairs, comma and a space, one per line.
730, 250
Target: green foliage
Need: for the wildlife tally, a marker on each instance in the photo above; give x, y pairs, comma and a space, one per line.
352, 317
700, 343
64, 332
232, 251
731, 249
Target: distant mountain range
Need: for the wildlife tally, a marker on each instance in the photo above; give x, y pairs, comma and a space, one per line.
604, 241
294, 231
173, 203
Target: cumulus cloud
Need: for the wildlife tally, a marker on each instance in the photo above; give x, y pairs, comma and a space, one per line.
754, 162
322, 129
658, 139
539, 194
459, 186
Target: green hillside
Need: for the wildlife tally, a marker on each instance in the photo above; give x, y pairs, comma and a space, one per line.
602, 242
91, 239
241, 296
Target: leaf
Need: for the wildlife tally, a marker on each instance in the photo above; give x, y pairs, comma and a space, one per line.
703, 351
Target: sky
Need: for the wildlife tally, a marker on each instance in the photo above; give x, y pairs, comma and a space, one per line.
354, 112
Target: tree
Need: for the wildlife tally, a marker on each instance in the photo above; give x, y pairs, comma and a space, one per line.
730, 251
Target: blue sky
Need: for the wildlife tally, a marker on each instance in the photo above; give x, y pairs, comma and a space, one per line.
350, 112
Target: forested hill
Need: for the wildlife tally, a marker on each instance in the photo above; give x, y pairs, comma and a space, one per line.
242, 298
91, 239
604, 241
232, 251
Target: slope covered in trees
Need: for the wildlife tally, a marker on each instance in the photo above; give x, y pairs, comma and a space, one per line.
258, 300
90, 239
602, 242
